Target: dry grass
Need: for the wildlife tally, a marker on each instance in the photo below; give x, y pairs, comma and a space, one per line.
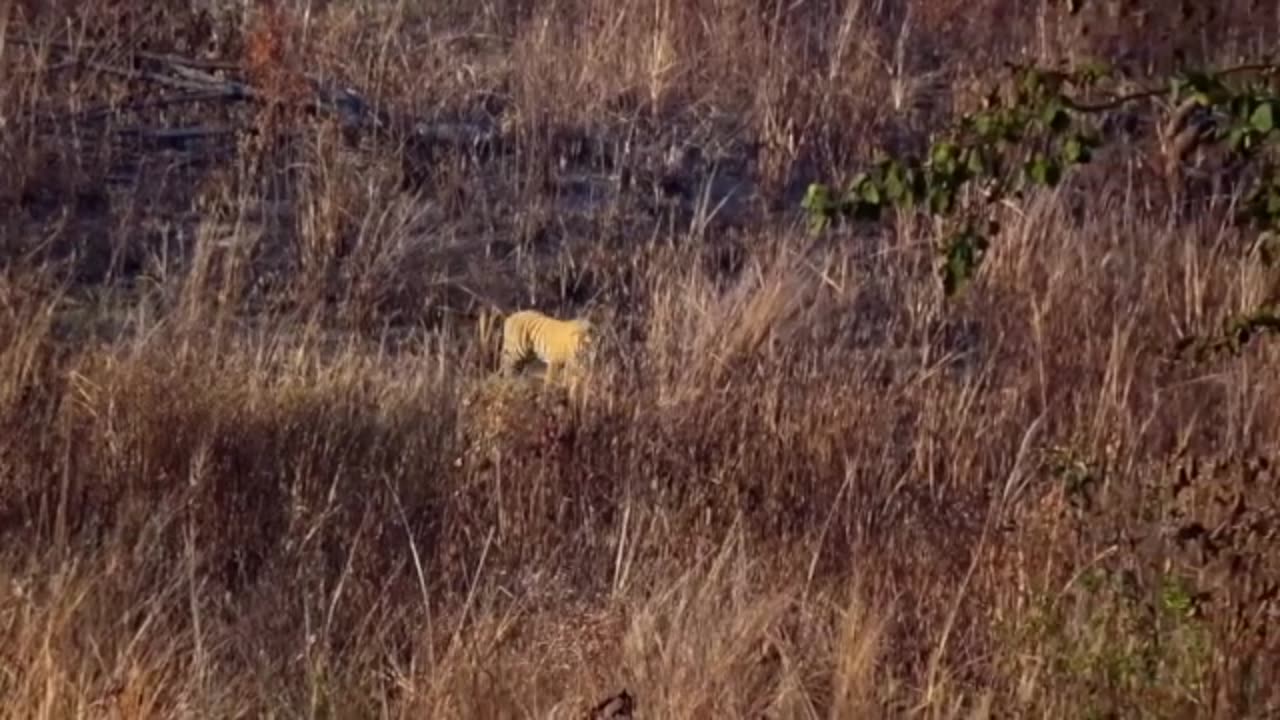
253, 461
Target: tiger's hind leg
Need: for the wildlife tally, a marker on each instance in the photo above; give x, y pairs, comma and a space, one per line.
549, 375
577, 382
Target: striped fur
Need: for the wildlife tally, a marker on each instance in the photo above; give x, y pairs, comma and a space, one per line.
529, 334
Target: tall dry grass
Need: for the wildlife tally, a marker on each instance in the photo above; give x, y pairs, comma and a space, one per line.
253, 461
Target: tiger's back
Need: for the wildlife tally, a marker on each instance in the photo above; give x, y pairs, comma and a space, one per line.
529, 334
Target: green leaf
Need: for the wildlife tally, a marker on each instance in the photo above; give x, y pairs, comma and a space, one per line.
1263, 118
1043, 170
985, 125
870, 192
915, 187
974, 162
963, 254
817, 199
856, 182
1238, 138
895, 188
1032, 83
1055, 118
1273, 204
1075, 150
1011, 129
943, 158
941, 199
1094, 69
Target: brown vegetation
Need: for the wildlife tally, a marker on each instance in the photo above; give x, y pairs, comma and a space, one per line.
253, 461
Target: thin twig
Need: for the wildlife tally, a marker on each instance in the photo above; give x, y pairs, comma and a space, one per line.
232, 88
169, 58
191, 97
172, 135
1263, 68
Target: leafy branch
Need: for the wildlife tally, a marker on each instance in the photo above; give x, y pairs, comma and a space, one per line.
1036, 137
989, 156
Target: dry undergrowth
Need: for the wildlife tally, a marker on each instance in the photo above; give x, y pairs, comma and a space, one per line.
254, 462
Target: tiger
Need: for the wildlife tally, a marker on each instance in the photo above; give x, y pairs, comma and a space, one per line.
530, 334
